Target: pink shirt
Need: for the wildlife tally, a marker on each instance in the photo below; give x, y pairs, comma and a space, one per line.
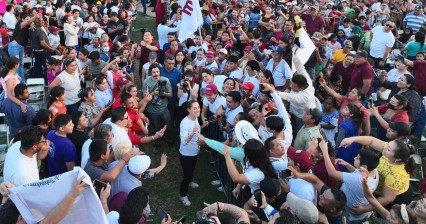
4, 80
51, 76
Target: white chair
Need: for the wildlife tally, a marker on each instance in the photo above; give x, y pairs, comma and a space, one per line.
419, 174
4, 131
37, 90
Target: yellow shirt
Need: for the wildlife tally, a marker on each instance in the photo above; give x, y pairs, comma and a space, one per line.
393, 176
339, 55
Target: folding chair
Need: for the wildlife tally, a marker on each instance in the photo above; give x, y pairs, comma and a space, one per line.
4, 132
37, 90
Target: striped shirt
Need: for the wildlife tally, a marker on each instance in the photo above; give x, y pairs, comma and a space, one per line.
415, 22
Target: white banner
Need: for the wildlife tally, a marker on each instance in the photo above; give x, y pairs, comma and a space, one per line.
306, 49
192, 18
35, 200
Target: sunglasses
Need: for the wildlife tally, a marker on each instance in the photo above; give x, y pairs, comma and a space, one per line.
388, 25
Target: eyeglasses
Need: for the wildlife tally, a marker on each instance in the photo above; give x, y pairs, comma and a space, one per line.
388, 25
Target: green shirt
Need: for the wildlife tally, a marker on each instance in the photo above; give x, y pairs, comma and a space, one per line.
156, 105
236, 153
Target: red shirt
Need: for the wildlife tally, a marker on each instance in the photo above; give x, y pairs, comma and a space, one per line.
360, 73
117, 103
334, 22
145, 52
134, 117
134, 138
397, 117
420, 76
346, 73
313, 25
320, 171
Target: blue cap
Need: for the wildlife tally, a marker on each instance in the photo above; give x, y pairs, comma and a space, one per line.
278, 50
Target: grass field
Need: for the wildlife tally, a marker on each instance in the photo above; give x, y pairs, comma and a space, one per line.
164, 188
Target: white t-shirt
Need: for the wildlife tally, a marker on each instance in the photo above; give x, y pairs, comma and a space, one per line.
393, 75
237, 74
71, 84
18, 168
54, 40
303, 189
352, 187
281, 72
219, 101
381, 40
230, 114
184, 98
211, 65
125, 182
254, 177
190, 148
120, 134
85, 152
279, 164
10, 20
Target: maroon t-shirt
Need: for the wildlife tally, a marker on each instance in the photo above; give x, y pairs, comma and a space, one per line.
420, 76
360, 73
313, 25
345, 73
320, 171
145, 53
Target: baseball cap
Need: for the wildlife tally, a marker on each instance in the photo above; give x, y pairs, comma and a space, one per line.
361, 54
270, 187
210, 89
317, 36
301, 157
139, 164
401, 128
152, 54
210, 54
122, 82
305, 210
223, 51
244, 131
278, 50
248, 86
314, 7
315, 113
347, 43
418, 7
53, 29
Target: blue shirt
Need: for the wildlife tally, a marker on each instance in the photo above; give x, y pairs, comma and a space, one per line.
61, 151
174, 77
15, 117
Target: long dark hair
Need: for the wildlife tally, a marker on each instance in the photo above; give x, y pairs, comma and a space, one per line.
10, 64
356, 114
420, 37
403, 151
256, 155
411, 81
56, 91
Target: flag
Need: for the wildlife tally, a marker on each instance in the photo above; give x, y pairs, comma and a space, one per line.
192, 18
307, 47
35, 200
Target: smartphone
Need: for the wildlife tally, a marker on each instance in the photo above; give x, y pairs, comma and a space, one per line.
400, 57
371, 101
284, 174
258, 197
161, 213
98, 185
181, 219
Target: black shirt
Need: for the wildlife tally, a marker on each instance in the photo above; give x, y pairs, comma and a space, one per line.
78, 138
36, 37
19, 35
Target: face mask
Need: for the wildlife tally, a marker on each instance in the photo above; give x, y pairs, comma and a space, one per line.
391, 106
106, 49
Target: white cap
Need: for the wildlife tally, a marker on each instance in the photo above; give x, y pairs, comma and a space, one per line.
139, 164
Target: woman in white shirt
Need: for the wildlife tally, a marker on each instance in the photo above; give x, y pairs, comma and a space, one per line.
89, 24
189, 149
188, 90
71, 32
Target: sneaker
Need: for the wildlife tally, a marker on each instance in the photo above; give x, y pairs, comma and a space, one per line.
185, 201
220, 189
193, 185
216, 183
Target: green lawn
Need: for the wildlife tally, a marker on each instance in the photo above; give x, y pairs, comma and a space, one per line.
164, 188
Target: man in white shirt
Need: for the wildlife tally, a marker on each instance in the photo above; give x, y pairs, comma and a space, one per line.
163, 29
231, 67
281, 71
382, 40
118, 121
9, 17
20, 165
210, 60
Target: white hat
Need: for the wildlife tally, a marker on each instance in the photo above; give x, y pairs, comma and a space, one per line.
305, 210
139, 164
245, 131
223, 51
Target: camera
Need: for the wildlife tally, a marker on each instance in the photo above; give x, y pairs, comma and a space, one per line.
284, 174
202, 218
223, 121
185, 83
122, 63
162, 88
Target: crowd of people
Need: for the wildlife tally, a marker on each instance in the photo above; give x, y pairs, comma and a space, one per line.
294, 130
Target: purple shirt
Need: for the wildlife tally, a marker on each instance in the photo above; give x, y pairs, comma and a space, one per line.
61, 151
313, 25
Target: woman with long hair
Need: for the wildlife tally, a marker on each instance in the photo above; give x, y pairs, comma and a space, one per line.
90, 108
103, 92
416, 46
395, 167
405, 37
266, 22
9, 79
69, 79
180, 60
56, 103
229, 85
349, 128
187, 90
189, 149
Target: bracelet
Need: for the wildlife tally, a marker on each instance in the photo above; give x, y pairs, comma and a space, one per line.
153, 138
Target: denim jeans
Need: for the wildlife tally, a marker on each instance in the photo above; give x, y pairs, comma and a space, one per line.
40, 68
16, 50
420, 124
144, 6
